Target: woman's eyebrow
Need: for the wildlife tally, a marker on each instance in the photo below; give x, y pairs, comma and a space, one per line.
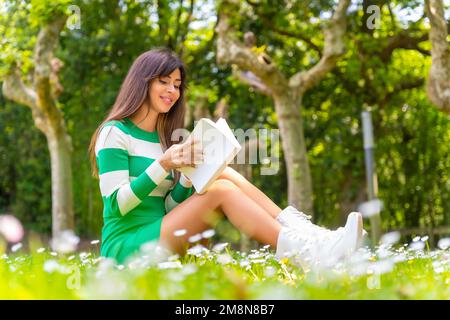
175, 79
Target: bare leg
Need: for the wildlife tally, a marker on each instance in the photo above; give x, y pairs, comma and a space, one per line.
250, 190
198, 212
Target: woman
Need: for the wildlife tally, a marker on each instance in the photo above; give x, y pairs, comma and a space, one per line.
146, 199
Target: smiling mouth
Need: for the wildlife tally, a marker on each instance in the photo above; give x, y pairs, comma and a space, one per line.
166, 100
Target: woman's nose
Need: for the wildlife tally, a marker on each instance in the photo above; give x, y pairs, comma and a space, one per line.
171, 88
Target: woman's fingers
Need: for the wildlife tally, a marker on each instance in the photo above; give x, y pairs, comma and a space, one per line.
187, 154
198, 155
191, 141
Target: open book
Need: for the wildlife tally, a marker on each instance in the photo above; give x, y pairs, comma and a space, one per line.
219, 148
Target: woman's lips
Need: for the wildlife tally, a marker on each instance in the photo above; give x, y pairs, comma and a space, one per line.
166, 100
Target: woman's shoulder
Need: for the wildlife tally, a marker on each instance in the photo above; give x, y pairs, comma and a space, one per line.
113, 134
116, 123
120, 124
135, 134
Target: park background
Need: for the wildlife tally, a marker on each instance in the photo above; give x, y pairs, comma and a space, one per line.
308, 67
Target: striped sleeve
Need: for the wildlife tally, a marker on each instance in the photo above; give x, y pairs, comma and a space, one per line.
182, 190
119, 194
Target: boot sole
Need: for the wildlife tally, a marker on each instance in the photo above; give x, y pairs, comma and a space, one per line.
359, 228
360, 231
350, 241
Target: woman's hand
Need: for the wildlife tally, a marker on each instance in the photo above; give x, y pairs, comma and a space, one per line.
186, 154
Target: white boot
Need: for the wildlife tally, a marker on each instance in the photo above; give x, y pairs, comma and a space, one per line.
293, 244
347, 240
313, 246
291, 217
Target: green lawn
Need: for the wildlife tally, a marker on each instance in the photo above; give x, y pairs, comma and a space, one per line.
222, 273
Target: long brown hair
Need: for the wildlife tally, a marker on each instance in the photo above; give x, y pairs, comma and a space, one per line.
135, 90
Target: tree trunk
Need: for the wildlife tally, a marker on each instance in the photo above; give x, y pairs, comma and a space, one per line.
263, 74
41, 98
438, 84
62, 201
300, 193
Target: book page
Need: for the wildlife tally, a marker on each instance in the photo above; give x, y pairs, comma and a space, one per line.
222, 125
218, 152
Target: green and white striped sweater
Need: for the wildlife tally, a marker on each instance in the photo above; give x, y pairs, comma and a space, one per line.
136, 190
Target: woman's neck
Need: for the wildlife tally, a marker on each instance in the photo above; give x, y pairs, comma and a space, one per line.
148, 123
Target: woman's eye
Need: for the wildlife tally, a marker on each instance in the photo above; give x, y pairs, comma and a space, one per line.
165, 82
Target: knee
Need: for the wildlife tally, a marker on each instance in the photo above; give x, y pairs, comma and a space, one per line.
222, 186
226, 174
221, 190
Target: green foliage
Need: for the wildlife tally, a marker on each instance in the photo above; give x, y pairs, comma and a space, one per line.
18, 37
19, 26
43, 11
25, 171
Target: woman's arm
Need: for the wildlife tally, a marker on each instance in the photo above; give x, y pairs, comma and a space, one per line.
182, 190
119, 194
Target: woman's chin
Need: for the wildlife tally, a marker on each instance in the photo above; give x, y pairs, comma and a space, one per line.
164, 109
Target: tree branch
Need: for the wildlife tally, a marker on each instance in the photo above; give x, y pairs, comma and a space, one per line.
404, 85
232, 51
391, 15
403, 40
296, 35
268, 23
406, 40
249, 78
162, 7
15, 90
333, 49
186, 28
177, 29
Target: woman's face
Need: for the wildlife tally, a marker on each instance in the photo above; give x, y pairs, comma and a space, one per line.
165, 91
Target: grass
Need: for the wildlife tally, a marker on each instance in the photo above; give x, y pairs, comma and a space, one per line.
222, 273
